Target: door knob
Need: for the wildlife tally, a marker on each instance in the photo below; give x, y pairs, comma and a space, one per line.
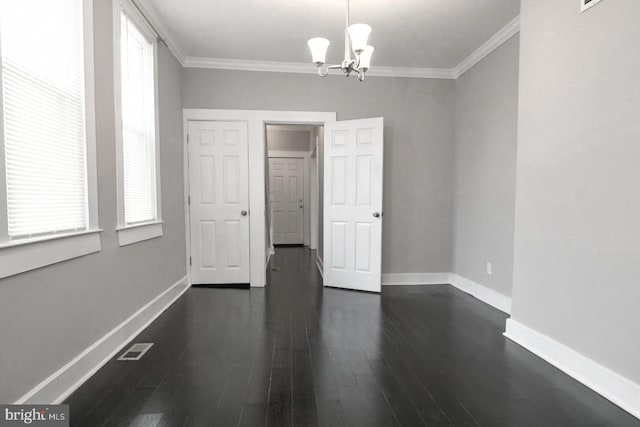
376, 214
243, 213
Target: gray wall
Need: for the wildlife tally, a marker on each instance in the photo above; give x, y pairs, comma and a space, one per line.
50, 315
577, 230
287, 140
486, 116
418, 145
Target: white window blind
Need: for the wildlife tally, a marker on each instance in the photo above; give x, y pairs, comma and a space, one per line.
138, 124
41, 42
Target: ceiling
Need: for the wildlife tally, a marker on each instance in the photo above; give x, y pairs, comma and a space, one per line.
406, 33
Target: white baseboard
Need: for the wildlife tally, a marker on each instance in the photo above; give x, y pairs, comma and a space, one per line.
391, 279
320, 266
67, 379
270, 252
483, 293
611, 385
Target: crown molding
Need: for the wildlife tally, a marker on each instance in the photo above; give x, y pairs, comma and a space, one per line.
511, 29
248, 65
412, 72
155, 19
308, 68
508, 31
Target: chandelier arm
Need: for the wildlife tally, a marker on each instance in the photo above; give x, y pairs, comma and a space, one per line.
348, 65
329, 68
361, 72
323, 73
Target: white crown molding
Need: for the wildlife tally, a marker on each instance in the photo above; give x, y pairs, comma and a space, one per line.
411, 72
478, 55
511, 29
611, 385
155, 19
308, 68
248, 65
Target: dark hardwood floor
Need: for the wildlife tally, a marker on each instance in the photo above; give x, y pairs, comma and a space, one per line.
297, 354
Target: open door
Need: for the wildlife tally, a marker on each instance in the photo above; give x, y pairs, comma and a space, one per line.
353, 152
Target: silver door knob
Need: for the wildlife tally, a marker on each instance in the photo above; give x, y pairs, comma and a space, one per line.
243, 213
376, 214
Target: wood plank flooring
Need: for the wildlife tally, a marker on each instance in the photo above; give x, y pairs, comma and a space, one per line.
297, 354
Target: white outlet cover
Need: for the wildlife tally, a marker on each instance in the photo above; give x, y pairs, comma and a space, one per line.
489, 268
586, 4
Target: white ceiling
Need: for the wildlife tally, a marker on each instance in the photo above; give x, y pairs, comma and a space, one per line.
406, 33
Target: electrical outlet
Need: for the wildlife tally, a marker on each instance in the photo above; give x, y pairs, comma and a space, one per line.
489, 269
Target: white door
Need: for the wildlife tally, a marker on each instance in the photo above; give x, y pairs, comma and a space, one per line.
286, 182
219, 202
353, 151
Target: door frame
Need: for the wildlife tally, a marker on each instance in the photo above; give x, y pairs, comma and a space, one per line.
256, 121
306, 189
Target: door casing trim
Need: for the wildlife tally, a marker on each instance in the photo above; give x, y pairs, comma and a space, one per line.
256, 121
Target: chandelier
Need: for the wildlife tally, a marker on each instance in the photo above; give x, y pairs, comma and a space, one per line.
355, 38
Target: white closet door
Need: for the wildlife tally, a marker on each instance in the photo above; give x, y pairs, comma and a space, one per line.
219, 202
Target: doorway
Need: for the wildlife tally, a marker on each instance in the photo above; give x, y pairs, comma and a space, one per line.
287, 187
292, 184
350, 168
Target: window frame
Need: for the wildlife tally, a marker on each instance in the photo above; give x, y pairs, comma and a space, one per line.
133, 233
21, 255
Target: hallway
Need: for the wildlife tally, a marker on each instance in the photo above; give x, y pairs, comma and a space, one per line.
297, 354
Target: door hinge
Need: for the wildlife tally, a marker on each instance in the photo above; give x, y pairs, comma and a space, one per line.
187, 138
188, 200
190, 261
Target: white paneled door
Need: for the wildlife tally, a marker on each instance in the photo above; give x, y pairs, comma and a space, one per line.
353, 152
219, 202
286, 179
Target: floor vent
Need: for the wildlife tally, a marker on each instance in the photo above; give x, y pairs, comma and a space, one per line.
136, 351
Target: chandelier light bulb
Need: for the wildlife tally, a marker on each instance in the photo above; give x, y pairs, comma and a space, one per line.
318, 46
365, 58
359, 34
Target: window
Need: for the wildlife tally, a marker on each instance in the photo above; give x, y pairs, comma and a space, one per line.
138, 211
46, 185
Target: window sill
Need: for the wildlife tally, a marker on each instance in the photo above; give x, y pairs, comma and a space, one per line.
26, 255
139, 232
